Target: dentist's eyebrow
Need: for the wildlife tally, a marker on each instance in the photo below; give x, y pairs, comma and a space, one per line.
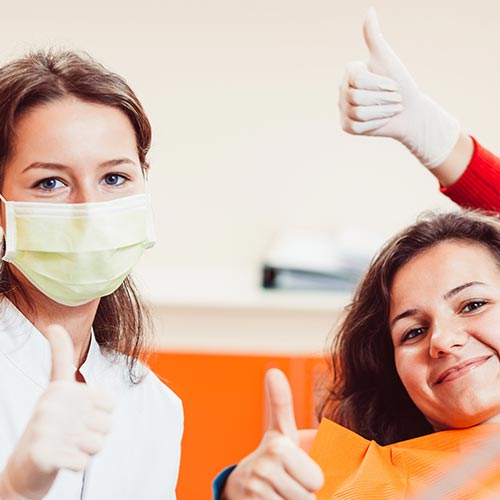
41, 164
117, 161
59, 166
458, 289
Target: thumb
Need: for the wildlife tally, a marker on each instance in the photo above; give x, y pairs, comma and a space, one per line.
371, 30
382, 58
63, 353
279, 403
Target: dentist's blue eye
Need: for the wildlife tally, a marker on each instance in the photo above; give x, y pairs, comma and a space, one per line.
49, 184
114, 179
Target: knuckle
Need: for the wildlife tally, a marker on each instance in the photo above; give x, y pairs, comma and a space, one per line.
358, 113
252, 488
346, 126
261, 468
356, 81
352, 96
356, 128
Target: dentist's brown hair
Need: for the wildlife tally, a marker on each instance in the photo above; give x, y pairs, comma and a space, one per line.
42, 77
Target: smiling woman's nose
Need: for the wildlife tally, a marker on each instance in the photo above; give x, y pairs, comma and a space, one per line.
445, 338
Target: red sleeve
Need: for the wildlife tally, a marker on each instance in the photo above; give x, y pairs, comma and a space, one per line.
479, 185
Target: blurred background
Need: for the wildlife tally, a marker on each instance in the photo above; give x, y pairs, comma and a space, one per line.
247, 145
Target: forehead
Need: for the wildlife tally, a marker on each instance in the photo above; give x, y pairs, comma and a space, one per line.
68, 129
443, 267
60, 111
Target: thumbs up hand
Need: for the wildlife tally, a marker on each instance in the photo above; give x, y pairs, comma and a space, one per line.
278, 468
68, 425
381, 98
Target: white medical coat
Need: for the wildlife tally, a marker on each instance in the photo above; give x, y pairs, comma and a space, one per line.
140, 458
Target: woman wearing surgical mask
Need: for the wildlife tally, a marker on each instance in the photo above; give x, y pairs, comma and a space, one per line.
80, 416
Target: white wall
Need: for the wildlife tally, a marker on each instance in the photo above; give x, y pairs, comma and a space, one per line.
242, 96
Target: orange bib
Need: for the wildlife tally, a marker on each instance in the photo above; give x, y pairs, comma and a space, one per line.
461, 464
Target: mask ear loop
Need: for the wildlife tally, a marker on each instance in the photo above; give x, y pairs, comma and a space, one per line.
150, 226
9, 226
2, 231
145, 175
3, 241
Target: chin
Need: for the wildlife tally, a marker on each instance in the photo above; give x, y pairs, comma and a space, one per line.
463, 421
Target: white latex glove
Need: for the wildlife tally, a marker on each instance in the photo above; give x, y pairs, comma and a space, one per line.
68, 426
278, 469
380, 98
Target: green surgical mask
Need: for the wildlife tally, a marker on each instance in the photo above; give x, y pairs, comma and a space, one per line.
77, 252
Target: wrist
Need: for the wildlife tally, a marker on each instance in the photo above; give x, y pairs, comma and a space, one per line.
455, 164
432, 132
220, 483
7, 491
19, 480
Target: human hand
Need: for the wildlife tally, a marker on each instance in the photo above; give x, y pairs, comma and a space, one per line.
381, 98
68, 425
278, 469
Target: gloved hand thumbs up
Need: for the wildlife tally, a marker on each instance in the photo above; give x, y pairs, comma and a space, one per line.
425, 128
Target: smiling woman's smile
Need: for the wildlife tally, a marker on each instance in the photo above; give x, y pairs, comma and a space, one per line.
461, 369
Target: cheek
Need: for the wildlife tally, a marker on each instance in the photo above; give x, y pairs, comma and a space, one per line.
487, 331
412, 371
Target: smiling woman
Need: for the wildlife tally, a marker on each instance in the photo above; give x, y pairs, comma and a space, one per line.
446, 308
418, 343
75, 214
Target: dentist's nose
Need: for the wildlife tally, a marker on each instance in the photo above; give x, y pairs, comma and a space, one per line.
85, 194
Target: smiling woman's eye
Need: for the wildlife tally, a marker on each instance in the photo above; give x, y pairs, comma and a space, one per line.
473, 305
114, 179
49, 184
413, 334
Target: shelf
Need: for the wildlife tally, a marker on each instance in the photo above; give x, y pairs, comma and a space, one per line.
229, 289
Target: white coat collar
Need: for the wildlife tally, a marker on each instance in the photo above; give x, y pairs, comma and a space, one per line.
25, 347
